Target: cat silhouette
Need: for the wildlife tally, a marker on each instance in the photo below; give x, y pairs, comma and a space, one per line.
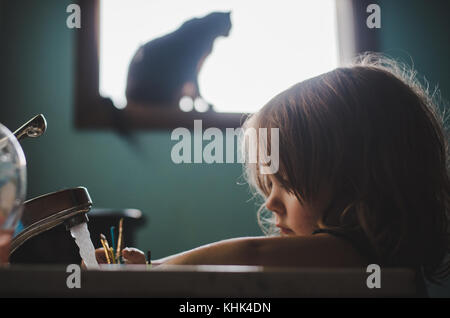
166, 68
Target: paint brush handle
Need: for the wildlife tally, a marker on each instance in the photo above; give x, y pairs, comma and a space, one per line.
105, 248
111, 255
119, 240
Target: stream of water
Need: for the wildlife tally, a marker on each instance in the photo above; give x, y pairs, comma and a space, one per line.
83, 239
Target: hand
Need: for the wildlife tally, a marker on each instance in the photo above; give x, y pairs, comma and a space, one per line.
130, 255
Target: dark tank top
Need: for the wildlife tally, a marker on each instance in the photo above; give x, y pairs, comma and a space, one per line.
362, 245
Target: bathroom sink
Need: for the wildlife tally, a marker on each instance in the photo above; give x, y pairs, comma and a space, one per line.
205, 281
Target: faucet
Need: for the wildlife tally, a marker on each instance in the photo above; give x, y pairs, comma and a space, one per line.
35, 127
68, 207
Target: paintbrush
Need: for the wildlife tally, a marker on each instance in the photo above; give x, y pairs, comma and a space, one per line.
105, 247
119, 240
113, 244
112, 255
149, 259
109, 249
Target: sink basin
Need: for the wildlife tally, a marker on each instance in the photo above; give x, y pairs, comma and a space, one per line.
206, 281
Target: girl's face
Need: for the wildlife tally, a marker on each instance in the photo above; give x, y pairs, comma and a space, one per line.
292, 218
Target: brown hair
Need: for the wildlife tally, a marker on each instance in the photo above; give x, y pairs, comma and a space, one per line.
373, 133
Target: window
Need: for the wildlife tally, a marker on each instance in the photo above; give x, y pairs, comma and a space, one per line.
271, 46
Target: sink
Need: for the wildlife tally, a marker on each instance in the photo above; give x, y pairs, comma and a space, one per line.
206, 281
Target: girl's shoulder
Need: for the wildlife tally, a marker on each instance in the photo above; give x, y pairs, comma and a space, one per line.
357, 239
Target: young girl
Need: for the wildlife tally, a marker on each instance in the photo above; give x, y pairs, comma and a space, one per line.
362, 177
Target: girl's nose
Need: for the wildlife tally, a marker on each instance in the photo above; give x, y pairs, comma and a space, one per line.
274, 204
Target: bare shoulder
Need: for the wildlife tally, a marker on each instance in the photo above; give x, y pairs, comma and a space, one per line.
320, 250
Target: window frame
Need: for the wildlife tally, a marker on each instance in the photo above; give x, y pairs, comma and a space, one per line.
94, 112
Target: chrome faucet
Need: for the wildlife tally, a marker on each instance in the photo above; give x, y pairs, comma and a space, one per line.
68, 207
35, 127
43, 213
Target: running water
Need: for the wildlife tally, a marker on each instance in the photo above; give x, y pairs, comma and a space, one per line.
83, 239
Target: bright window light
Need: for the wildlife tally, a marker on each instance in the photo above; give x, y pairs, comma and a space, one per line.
272, 45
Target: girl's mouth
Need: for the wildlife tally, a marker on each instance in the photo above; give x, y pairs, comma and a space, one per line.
285, 230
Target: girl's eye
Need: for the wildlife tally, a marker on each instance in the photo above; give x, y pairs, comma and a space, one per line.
268, 183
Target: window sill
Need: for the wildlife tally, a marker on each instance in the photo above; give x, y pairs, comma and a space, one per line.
104, 115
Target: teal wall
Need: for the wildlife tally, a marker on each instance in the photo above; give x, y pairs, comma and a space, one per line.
419, 30
185, 205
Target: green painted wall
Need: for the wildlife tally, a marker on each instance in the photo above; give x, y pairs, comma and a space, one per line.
419, 30
185, 205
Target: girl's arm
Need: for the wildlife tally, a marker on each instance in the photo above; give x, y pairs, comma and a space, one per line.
321, 250
232, 251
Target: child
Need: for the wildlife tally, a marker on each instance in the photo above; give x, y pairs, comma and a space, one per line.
362, 177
